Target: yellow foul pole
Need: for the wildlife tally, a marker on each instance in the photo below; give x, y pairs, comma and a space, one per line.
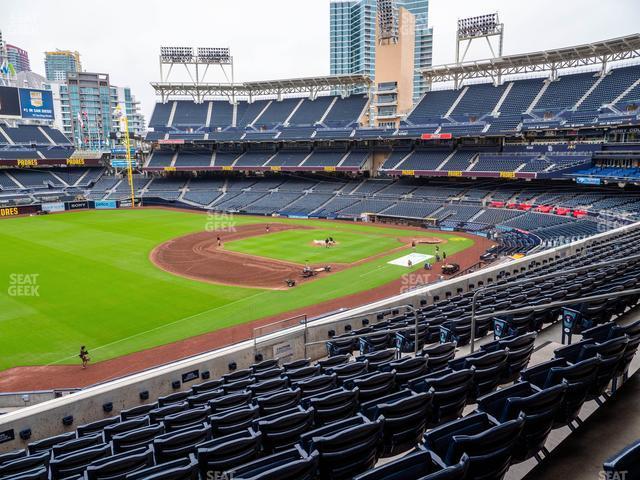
127, 144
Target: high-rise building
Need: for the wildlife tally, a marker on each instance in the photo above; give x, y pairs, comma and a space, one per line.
19, 58
353, 42
123, 98
86, 109
58, 63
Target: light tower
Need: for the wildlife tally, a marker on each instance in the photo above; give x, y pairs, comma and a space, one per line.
475, 28
196, 63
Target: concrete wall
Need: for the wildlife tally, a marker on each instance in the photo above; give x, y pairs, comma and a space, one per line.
86, 406
395, 61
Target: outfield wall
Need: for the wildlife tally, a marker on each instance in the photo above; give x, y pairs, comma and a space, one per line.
45, 419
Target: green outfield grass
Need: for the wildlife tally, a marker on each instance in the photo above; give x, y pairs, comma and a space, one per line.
94, 283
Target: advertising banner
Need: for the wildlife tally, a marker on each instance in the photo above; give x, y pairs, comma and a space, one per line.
9, 102
6, 212
36, 104
53, 207
105, 204
77, 205
589, 181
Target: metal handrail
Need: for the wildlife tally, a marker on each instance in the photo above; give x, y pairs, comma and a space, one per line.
364, 335
533, 279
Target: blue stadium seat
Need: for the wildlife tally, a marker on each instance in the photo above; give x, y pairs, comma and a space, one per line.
626, 463
292, 464
419, 465
25, 464
75, 463
283, 429
489, 370
77, 444
134, 439
451, 391
278, 401
346, 448
490, 446
405, 414
234, 420
578, 377
333, 406
119, 465
174, 445
538, 406
225, 453
183, 469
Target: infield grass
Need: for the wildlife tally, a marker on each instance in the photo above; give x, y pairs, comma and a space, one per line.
298, 245
96, 286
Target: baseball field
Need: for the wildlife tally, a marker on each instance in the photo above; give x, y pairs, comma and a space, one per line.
121, 281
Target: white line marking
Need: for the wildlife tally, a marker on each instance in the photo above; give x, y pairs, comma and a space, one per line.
159, 327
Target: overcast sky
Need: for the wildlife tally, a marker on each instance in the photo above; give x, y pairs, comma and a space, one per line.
273, 38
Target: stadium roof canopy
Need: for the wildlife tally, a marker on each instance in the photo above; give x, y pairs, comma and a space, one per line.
603, 52
311, 86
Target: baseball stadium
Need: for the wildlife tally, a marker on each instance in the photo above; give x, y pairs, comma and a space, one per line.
409, 271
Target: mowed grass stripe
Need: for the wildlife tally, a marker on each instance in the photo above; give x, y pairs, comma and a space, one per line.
97, 286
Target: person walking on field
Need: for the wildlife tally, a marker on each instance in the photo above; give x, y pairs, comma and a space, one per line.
219, 241
268, 228
84, 356
444, 255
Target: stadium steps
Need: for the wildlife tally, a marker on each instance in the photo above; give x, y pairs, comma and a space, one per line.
474, 161
358, 186
472, 219
7, 137
293, 112
328, 110
457, 101
305, 159
15, 180
51, 141
234, 115
588, 92
81, 179
261, 113
207, 122
172, 114
55, 175
495, 112
402, 160
238, 158
537, 98
444, 162
321, 207
624, 94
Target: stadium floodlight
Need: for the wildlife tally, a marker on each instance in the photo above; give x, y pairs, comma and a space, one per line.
481, 26
214, 55
197, 63
387, 21
176, 54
